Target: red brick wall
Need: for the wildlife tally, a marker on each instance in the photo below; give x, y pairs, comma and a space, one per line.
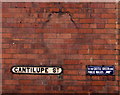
119, 45
71, 35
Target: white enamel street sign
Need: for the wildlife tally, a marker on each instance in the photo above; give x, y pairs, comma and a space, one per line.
40, 70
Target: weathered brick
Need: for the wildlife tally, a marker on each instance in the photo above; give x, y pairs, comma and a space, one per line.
86, 21
71, 62
11, 82
79, 16
74, 77
109, 11
7, 35
98, 83
96, 5
9, 87
35, 33
104, 52
111, 20
7, 55
71, 72
74, 88
110, 6
110, 26
101, 26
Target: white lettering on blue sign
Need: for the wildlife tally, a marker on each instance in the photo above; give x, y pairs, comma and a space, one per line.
100, 70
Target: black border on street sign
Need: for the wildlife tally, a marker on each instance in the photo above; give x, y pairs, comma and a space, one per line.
36, 73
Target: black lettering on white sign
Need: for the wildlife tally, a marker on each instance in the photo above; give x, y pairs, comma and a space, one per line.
52, 70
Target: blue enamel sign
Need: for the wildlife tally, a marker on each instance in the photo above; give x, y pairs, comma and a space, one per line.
100, 70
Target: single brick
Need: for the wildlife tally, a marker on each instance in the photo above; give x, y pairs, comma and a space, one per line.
11, 82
